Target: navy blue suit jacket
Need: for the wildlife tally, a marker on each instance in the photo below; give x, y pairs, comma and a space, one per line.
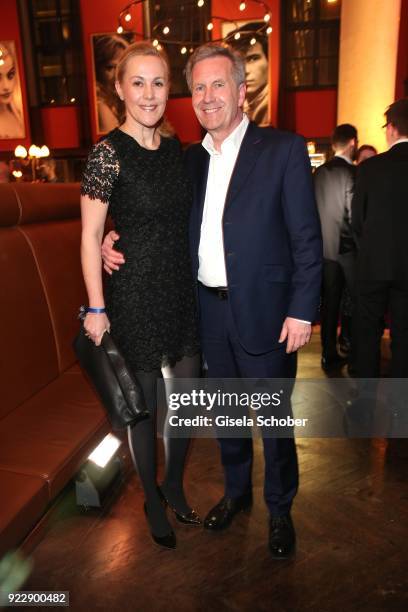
272, 236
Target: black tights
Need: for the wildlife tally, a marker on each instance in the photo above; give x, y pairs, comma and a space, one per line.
142, 444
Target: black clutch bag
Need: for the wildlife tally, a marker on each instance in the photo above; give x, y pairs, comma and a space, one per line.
119, 391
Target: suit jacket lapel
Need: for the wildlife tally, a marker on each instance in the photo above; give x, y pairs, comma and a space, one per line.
248, 154
201, 174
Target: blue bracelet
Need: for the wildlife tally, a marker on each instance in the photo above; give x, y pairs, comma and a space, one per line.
95, 310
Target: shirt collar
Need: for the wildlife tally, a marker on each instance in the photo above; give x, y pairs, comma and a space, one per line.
398, 141
347, 159
233, 140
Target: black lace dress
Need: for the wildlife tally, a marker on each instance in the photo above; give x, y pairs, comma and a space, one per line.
150, 301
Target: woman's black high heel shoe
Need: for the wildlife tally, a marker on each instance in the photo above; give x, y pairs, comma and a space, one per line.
189, 518
166, 541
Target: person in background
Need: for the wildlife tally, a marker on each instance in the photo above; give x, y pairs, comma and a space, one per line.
365, 152
48, 171
334, 186
136, 174
107, 52
380, 225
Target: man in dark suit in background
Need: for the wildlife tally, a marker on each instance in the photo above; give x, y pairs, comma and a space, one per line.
256, 253
334, 187
380, 224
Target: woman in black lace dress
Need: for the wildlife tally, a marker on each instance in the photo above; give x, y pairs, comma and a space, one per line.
136, 175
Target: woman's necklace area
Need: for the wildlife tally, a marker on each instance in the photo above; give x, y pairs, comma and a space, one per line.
138, 141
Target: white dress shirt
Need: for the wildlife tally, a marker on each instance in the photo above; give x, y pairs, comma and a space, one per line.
345, 157
211, 271
403, 139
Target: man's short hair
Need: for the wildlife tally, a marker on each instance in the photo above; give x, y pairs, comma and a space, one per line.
343, 134
366, 147
397, 115
210, 50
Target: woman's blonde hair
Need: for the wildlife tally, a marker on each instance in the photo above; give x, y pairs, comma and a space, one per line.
144, 48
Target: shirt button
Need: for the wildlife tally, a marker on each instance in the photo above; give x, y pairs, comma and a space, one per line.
230, 254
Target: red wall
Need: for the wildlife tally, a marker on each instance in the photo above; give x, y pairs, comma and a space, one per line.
10, 30
61, 126
310, 113
182, 117
402, 63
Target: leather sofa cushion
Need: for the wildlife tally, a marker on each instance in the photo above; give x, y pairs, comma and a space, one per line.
50, 434
23, 501
10, 206
24, 203
28, 356
55, 246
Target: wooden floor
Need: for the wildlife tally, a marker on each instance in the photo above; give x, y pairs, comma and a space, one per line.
351, 517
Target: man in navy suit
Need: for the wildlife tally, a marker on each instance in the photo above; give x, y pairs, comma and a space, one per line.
257, 251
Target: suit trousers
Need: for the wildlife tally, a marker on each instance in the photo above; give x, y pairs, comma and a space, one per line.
226, 358
336, 275
374, 300
332, 290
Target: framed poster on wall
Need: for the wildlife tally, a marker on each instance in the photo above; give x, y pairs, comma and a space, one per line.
106, 51
251, 39
11, 100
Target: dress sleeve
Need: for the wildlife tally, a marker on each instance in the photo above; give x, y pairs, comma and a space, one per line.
101, 172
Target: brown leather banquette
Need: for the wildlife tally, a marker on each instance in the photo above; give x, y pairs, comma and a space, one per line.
50, 418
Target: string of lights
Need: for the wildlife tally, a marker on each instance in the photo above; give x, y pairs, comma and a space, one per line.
161, 32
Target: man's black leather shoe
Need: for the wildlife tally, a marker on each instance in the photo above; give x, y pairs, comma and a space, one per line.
282, 537
220, 517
